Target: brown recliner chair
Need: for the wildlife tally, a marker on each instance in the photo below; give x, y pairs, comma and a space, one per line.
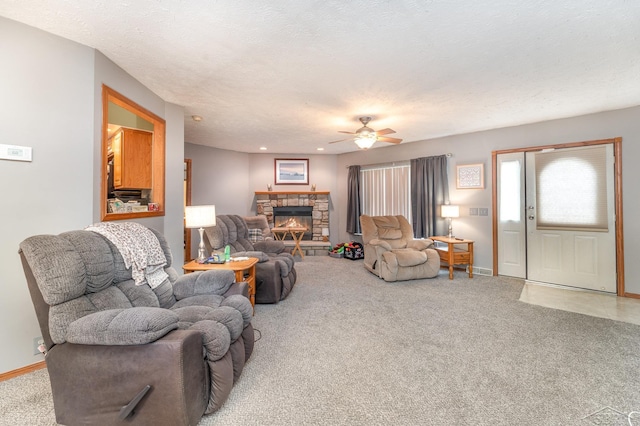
275, 272
121, 352
391, 252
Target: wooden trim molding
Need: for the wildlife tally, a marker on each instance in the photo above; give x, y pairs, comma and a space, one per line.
157, 156
23, 370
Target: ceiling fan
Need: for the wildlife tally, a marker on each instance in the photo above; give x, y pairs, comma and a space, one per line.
366, 136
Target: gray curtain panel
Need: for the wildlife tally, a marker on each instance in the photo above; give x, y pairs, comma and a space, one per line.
353, 200
429, 190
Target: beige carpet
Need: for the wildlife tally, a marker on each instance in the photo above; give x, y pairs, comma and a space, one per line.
346, 348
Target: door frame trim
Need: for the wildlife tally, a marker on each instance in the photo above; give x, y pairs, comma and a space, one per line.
617, 167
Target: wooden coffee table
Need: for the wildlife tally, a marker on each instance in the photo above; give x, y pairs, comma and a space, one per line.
245, 270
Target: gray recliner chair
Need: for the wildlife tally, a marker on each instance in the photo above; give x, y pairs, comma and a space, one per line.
275, 272
119, 352
259, 226
391, 252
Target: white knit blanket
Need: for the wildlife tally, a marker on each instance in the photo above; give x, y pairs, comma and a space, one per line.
139, 248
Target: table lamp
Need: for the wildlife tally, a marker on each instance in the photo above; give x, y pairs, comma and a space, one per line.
448, 211
200, 217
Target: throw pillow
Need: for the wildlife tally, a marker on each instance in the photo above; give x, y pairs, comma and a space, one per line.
255, 235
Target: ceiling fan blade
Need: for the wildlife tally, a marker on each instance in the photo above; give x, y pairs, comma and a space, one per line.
385, 132
340, 140
390, 140
349, 133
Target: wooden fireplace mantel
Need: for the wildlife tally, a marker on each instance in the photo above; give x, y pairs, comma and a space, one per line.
291, 192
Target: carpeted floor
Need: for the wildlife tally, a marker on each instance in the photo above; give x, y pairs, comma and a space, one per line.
356, 350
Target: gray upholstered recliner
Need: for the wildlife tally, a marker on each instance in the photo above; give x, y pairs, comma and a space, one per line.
120, 353
275, 271
259, 223
391, 252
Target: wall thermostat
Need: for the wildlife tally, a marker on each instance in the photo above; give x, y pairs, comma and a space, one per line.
15, 152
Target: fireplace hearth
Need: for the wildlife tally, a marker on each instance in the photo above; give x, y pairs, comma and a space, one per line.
268, 201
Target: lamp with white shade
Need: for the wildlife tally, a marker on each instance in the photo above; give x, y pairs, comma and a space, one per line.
449, 211
200, 217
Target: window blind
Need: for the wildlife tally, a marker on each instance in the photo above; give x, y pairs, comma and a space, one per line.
571, 190
386, 190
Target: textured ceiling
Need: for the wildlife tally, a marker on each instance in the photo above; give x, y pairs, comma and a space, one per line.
288, 75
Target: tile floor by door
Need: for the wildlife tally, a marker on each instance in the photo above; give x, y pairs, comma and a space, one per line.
584, 302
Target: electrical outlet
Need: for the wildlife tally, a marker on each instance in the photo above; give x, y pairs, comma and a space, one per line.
483, 211
473, 211
37, 341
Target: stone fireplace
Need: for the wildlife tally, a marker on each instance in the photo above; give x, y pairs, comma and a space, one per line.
294, 216
269, 201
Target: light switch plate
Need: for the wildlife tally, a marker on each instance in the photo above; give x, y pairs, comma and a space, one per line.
483, 211
15, 152
473, 211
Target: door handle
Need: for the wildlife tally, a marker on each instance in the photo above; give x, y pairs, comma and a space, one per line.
531, 217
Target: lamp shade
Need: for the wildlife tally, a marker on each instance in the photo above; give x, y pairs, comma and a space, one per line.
200, 216
447, 210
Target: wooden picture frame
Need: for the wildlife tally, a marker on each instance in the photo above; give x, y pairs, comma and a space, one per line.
291, 171
470, 176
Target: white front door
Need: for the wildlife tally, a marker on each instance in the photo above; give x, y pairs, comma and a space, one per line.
570, 217
512, 255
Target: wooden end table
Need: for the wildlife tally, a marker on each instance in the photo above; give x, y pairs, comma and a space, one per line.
455, 257
240, 267
296, 233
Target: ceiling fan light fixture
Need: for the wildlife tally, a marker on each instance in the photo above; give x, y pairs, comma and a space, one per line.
366, 141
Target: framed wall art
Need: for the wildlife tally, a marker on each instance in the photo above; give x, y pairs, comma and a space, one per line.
470, 176
291, 171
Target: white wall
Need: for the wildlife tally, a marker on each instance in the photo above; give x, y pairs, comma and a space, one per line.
477, 148
219, 177
174, 183
229, 180
52, 102
170, 225
47, 104
322, 173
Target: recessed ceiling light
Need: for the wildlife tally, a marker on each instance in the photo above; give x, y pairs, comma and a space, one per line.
320, 149
263, 148
196, 118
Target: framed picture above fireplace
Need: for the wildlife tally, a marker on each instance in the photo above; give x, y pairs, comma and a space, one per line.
291, 171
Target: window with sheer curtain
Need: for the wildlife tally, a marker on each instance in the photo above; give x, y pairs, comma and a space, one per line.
386, 190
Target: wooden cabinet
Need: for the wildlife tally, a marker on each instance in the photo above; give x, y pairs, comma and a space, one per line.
132, 159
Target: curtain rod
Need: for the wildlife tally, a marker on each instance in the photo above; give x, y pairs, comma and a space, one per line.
393, 163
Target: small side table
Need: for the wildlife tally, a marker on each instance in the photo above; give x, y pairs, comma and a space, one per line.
455, 257
296, 233
240, 267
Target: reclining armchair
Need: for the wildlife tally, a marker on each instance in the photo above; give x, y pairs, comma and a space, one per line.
391, 252
120, 349
275, 270
258, 228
